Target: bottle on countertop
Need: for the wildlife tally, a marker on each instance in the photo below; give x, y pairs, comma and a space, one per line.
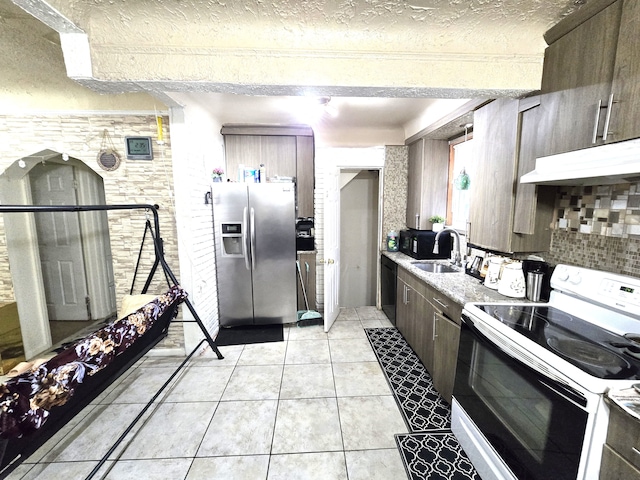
392, 241
262, 173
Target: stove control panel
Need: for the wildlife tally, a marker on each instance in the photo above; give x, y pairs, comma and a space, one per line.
622, 291
618, 291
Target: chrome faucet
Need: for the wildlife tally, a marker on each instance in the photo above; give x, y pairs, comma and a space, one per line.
457, 259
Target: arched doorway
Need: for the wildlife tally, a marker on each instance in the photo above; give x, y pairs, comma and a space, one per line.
61, 265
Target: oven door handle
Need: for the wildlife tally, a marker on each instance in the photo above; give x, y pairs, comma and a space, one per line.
565, 391
545, 378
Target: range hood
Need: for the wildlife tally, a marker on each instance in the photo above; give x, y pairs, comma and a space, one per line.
601, 165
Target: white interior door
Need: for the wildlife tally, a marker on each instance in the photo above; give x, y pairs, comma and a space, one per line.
331, 247
60, 243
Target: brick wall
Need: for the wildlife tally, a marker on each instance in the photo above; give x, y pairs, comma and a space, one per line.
198, 149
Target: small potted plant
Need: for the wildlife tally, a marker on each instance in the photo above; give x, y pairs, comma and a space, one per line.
217, 174
437, 223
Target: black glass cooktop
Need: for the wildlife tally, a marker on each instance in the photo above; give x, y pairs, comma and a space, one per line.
593, 349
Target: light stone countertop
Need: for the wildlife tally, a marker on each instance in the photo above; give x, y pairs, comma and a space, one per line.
627, 399
460, 287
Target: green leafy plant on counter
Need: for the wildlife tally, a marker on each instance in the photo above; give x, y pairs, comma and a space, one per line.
436, 219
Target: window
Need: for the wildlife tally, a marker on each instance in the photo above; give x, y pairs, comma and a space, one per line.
460, 181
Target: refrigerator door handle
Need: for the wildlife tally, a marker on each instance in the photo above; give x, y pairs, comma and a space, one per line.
253, 238
247, 251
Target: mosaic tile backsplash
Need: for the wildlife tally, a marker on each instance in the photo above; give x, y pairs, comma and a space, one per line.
612, 254
609, 210
598, 227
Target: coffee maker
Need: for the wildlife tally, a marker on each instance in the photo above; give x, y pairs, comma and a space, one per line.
305, 239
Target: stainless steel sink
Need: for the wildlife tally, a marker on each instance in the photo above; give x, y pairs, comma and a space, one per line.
435, 267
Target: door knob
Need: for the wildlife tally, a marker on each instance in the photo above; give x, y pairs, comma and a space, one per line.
330, 261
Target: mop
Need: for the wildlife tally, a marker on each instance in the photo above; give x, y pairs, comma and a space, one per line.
306, 317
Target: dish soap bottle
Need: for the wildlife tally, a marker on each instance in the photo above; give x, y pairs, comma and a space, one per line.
392, 241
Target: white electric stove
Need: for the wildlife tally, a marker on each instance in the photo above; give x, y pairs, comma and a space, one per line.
528, 398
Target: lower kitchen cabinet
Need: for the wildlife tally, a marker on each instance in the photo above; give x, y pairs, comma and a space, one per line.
446, 333
620, 457
616, 466
428, 320
402, 308
414, 318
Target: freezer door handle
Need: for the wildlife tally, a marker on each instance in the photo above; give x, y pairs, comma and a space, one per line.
247, 250
253, 239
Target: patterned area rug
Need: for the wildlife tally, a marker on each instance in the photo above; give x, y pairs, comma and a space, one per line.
431, 451
434, 456
421, 405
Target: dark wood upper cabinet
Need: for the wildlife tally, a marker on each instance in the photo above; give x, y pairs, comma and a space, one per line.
428, 174
285, 152
505, 215
591, 78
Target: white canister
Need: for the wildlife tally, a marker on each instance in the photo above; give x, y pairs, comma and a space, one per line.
493, 272
512, 282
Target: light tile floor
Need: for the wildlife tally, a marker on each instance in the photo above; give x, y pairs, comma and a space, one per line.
316, 406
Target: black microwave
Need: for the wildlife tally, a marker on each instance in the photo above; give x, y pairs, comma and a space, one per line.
419, 244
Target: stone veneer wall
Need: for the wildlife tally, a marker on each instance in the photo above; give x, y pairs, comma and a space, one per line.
396, 158
147, 182
598, 227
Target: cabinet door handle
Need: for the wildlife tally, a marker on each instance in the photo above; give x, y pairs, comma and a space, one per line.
435, 320
607, 119
443, 305
594, 139
417, 221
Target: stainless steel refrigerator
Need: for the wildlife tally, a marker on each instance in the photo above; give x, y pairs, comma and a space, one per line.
255, 243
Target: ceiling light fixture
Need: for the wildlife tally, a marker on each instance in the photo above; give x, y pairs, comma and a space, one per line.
312, 109
329, 109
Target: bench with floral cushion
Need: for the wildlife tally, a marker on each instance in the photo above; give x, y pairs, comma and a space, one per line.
37, 403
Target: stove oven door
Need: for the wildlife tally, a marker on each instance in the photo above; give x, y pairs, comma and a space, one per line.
535, 424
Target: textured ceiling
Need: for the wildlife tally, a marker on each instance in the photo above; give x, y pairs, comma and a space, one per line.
420, 50
446, 48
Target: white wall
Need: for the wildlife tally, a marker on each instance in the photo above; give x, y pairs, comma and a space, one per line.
198, 149
359, 200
